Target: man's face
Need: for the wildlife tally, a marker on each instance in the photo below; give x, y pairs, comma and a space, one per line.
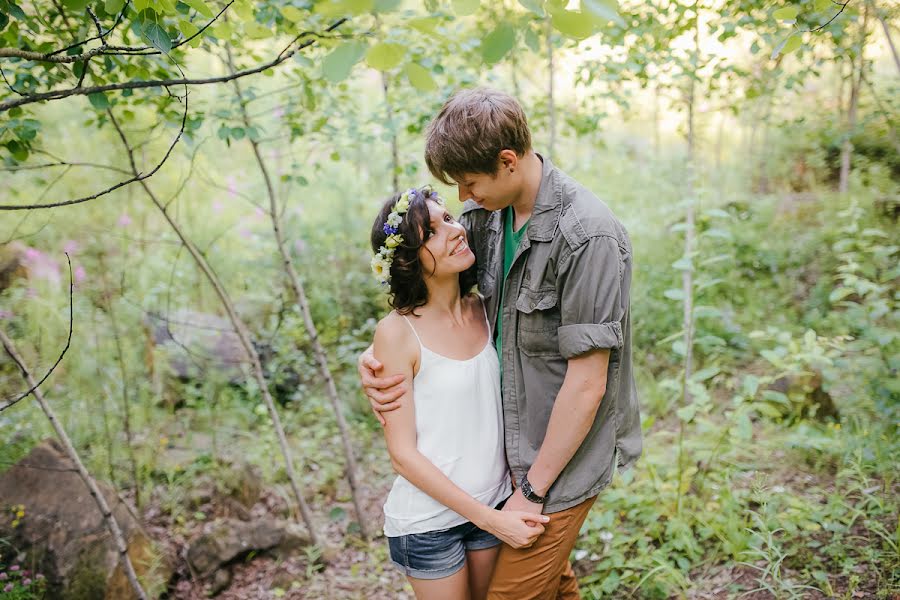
491, 192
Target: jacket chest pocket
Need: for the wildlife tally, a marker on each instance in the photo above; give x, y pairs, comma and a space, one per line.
539, 321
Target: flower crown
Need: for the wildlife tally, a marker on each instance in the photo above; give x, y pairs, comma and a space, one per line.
381, 262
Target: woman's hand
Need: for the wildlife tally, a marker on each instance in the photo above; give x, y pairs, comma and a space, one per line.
516, 528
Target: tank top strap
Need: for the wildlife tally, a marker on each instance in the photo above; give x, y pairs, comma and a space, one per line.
408, 322
484, 310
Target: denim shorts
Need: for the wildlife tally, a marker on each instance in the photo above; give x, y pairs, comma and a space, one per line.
438, 554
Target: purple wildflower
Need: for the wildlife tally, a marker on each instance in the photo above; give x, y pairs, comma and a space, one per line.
71, 246
14, 568
3, 576
124, 220
26, 582
39, 577
8, 588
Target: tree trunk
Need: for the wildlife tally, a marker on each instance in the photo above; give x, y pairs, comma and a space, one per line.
395, 151
551, 106
123, 375
303, 303
240, 330
887, 36
656, 125
856, 77
111, 524
687, 281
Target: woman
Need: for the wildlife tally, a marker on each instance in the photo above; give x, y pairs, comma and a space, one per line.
446, 440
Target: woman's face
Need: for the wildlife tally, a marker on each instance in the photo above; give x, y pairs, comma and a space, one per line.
446, 250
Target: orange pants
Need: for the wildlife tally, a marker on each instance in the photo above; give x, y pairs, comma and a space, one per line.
543, 571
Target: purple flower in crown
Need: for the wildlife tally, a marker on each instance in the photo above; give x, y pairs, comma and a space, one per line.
389, 229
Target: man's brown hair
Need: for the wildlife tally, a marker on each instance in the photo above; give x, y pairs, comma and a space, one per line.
471, 130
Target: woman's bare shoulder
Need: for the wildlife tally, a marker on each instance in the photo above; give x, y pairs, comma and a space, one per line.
393, 333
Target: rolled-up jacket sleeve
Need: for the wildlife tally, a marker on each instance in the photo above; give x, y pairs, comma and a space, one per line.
593, 288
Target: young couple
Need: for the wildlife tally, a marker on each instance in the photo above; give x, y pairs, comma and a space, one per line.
505, 411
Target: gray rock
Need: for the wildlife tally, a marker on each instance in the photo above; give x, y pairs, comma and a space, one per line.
228, 539
63, 535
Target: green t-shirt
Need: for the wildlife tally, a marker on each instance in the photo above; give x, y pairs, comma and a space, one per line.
511, 241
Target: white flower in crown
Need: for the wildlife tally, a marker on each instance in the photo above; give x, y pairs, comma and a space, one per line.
395, 219
381, 268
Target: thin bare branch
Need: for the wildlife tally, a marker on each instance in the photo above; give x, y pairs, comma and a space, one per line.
112, 188
35, 386
285, 54
96, 37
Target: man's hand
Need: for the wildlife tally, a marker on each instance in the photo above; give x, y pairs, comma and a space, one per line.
518, 502
382, 392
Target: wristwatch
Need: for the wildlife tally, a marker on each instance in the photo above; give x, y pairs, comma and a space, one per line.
529, 492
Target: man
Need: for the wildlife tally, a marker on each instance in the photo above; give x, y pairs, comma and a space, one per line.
554, 265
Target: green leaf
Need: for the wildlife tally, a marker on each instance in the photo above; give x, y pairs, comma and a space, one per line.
674, 294
683, 264
464, 8
498, 43
385, 56
787, 13
157, 36
385, 6
292, 13
788, 44
604, 10
141, 5
704, 374
839, 294
777, 397
337, 513
200, 6
718, 212
534, 6
99, 100
243, 9
76, 5
424, 24
722, 234
337, 65
532, 40
18, 150
419, 77
744, 426
14, 10
686, 413
573, 24
113, 7
188, 30
823, 5
223, 30
338, 8
257, 31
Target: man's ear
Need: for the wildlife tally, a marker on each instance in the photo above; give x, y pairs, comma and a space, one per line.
509, 160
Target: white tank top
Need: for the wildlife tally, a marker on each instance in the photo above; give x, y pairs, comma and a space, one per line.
459, 428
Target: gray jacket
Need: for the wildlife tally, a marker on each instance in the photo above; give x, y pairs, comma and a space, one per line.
567, 292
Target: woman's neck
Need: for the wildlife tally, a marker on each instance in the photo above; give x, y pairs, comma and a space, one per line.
444, 297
